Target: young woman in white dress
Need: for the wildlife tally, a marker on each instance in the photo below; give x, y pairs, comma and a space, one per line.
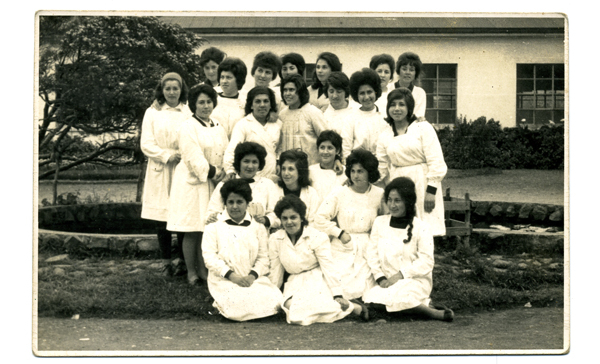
327, 62
265, 68
312, 292
236, 254
346, 216
339, 111
400, 255
383, 64
202, 143
291, 64
230, 109
159, 143
322, 175
408, 69
408, 148
210, 59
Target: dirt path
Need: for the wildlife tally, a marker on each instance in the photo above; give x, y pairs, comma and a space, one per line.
520, 329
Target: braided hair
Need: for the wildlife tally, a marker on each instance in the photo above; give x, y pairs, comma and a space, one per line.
406, 189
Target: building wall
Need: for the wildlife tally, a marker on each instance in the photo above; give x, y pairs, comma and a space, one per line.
486, 65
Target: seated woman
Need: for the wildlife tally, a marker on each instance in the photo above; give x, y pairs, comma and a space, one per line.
293, 180
347, 215
230, 109
400, 255
235, 251
249, 159
312, 292
322, 175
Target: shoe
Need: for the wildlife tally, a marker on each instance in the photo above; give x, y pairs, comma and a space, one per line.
180, 269
167, 270
364, 312
448, 313
197, 282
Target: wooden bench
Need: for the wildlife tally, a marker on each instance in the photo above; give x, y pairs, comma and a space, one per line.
461, 229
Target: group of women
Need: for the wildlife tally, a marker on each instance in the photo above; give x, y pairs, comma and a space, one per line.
320, 201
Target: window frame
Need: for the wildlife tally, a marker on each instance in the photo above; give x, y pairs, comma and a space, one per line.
549, 98
435, 94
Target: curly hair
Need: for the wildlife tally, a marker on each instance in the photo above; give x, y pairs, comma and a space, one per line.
301, 88
367, 160
197, 90
411, 59
294, 203
406, 189
338, 80
160, 96
382, 59
295, 59
368, 77
249, 148
300, 160
334, 63
238, 186
266, 60
333, 137
401, 93
260, 90
237, 67
212, 54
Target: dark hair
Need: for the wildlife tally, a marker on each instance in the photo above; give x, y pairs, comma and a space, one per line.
160, 96
412, 59
197, 90
238, 186
300, 160
333, 137
249, 148
294, 203
211, 54
295, 59
334, 63
366, 76
337, 80
260, 90
268, 60
405, 94
406, 189
382, 59
367, 160
301, 88
235, 66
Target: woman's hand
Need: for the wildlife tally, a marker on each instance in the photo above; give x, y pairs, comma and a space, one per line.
219, 175
344, 304
248, 280
345, 238
338, 167
212, 218
237, 279
174, 158
384, 283
229, 176
395, 278
260, 219
429, 202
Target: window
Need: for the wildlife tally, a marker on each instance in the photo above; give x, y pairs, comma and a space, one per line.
540, 94
439, 82
308, 73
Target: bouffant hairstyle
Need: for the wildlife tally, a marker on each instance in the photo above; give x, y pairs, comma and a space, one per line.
160, 96
197, 90
249, 148
235, 66
367, 160
338, 80
412, 59
366, 76
401, 93
294, 203
212, 54
383, 59
300, 160
333, 137
301, 88
295, 59
406, 189
238, 186
267, 60
334, 63
260, 90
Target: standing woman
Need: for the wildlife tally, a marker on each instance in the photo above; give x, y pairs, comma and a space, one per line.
408, 69
400, 255
292, 64
322, 175
159, 142
202, 143
327, 62
230, 109
339, 111
210, 58
407, 148
347, 215
383, 64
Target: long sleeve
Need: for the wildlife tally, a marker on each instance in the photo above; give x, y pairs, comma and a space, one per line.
275, 268
322, 248
327, 213
373, 251
148, 143
347, 137
423, 261
273, 198
237, 136
210, 252
420, 101
261, 265
192, 153
215, 204
381, 153
317, 120
311, 198
433, 154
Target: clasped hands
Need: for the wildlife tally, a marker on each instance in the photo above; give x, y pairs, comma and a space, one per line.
242, 281
385, 283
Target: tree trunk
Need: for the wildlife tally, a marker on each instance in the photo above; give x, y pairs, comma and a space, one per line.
55, 182
141, 180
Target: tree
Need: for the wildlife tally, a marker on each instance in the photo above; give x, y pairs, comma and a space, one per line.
97, 75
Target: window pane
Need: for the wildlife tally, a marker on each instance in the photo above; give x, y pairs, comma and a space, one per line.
560, 101
447, 116
559, 116
429, 86
429, 71
447, 70
525, 101
544, 101
524, 86
431, 116
308, 73
559, 71
430, 102
524, 117
444, 102
543, 86
542, 116
524, 71
446, 87
544, 71
559, 85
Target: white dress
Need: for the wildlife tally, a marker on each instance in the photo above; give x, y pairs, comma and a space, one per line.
241, 249
313, 280
300, 130
340, 122
417, 155
250, 130
228, 112
321, 102
201, 147
364, 128
159, 140
324, 180
311, 199
354, 213
388, 254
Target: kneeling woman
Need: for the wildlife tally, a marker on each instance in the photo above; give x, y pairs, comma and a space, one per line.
313, 291
400, 255
235, 252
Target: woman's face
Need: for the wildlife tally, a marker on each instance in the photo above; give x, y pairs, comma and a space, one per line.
249, 166
288, 69
395, 204
204, 107
337, 97
323, 70
359, 176
407, 74
228, 83
290, 95
327, 152
263, 76
291, 221
366, 97
172, 91
398, 109
210, 71
261, 106
385, 73
289, 175
236, 206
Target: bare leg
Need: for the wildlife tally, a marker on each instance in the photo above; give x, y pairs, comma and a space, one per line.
428, 311
288, 303
191, 244
200, 267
